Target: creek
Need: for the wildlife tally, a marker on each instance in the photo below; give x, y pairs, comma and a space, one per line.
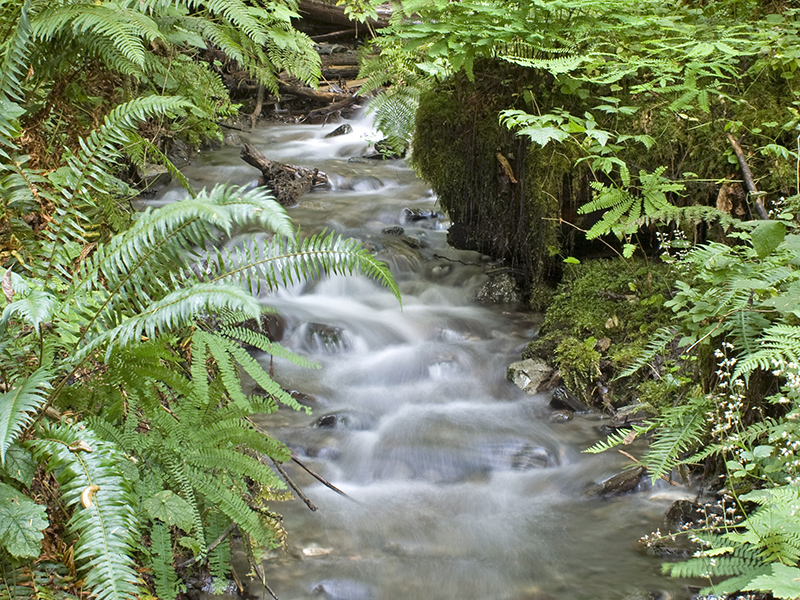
459, 485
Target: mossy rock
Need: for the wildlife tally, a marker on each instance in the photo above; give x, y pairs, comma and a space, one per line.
603, 314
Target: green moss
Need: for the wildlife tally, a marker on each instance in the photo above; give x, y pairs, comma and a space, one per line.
619, 303
579, 363
482, 173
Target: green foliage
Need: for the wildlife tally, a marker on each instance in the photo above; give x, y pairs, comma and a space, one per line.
138, 335
21, 523
613, 299
103, 518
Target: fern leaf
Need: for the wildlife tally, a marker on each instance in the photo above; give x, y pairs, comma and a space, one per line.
657, 344
105, 522
19, 405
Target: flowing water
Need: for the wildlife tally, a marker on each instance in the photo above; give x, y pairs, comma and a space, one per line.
458, 484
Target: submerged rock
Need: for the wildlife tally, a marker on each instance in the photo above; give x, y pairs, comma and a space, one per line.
529, 375
326, 338
352, 421
343, 589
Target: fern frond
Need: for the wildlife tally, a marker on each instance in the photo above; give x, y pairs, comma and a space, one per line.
19, 405
280, 263
161, 557
103, 518
657, 344
779, 343
681, 428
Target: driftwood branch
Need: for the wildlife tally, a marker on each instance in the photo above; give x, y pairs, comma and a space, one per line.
748, 178
307, 92
287, 182
328, 12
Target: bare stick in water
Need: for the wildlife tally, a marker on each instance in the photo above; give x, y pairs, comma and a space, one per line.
292, 485
321, 479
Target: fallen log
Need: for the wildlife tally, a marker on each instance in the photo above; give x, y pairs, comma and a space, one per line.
287, 182
328, 12
307, 92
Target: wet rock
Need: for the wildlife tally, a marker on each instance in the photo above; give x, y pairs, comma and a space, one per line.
563, 399
179, 152
629, 415
326, 338
561, 416
341, 130
153, 177
343, 589
531, 457
682, 516
352, 421
500, 289
421, 218
621, 483
395, 230
529, 374
412, 242
272, 325
232, 139
303, 398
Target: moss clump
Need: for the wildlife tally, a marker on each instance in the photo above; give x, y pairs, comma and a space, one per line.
579, 362
604, 312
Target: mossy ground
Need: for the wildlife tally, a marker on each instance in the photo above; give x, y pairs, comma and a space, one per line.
603, 314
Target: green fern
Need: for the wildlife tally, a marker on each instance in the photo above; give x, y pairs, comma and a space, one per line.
19, 406
103, 516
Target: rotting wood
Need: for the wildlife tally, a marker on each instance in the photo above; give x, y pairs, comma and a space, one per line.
748, 178
331, 109
287, 182
313, 94
328, 12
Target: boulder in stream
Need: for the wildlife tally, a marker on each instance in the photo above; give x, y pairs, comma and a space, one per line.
341, 130
500, 289
621, 483
529, 375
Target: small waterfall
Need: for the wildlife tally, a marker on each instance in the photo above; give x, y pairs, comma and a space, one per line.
459, 487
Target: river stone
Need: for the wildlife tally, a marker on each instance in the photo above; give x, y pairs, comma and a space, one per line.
153, 177
343, 589
394, 230
341, 130
563, 399
561, 416
328, 338
621, 483
352, 421
529, 375
500, 289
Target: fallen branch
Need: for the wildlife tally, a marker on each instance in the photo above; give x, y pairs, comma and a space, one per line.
748, 178
292, 485
307, 92
321, 479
